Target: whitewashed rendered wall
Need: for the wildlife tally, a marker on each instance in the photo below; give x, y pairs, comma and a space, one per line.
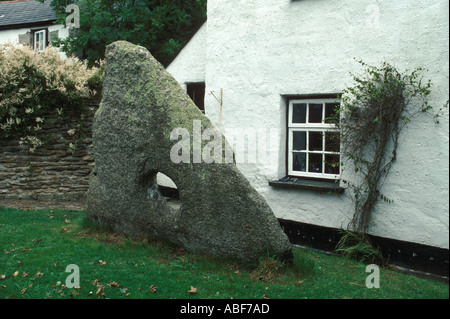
12, 36
259, 50
189, 66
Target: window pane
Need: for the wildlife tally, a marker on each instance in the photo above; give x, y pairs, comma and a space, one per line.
315, 163
332, 142
299, 161
315, 141
330, 112
332, 163
315, 113
196, 91
299, 141
299, 113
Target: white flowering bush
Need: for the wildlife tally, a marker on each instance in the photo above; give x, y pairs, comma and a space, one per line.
34, 86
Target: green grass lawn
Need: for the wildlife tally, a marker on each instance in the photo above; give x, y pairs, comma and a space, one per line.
37, 246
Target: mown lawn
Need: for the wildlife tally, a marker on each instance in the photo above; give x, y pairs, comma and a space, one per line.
37, 246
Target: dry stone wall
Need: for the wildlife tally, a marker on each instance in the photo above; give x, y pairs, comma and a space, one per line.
57, 170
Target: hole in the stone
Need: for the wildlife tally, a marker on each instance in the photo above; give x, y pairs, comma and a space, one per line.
168, 190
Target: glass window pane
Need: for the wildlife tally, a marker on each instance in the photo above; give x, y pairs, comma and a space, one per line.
332, 141
332, 163
315, 163
299, 141
299, 113
330, 112
299, 161
315, 113
315, 141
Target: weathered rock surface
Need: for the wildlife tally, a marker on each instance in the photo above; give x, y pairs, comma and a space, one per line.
220, 212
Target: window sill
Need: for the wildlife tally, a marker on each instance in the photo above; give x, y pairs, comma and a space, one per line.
305, 184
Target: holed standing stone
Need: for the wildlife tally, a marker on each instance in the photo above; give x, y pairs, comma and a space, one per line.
220, 212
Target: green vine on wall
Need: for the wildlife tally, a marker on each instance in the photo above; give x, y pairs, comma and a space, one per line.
372, 115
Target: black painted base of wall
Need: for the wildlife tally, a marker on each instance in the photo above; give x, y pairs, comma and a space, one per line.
410, 255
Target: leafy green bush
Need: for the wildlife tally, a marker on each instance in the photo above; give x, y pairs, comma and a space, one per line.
35, 86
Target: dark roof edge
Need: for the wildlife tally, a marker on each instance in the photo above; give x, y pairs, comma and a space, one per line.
27, 25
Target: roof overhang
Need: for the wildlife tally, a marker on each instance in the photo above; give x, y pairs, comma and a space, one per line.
27, 25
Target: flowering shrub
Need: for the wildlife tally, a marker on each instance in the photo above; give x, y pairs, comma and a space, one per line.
34, 86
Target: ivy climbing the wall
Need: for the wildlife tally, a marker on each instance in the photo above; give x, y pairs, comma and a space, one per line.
371, 118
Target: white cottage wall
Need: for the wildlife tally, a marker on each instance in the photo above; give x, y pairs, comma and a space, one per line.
258, 51
12, 36
190, 65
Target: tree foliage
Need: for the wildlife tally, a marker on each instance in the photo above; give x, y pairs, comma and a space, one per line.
161, 26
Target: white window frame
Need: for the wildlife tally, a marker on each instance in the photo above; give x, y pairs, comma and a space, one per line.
310, 127
37, 43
